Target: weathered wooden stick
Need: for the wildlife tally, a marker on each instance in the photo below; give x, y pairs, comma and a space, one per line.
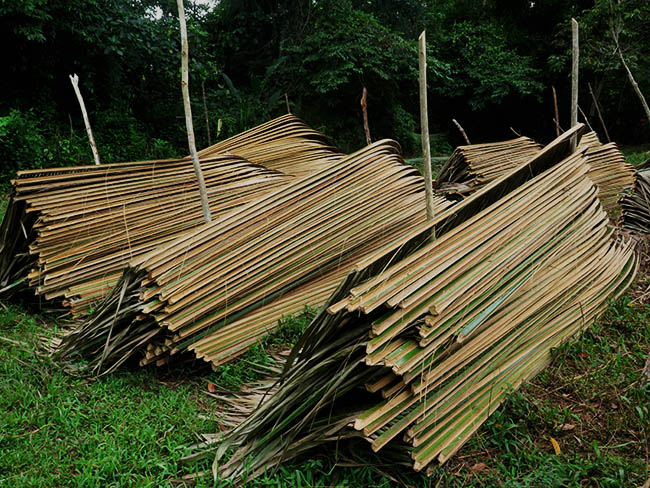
364, 109
75, 84
205, 111
424, 122
600, 116
462, 131
188, 113
286, 100
635, 85
575, 65
584, 116
557, 113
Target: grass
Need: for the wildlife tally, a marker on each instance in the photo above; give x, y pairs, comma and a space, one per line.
131, 428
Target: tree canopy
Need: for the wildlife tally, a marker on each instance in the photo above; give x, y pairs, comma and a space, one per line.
491, 64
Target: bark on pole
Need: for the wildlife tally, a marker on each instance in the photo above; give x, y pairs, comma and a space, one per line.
600, 116
188, 113
75, 84
424, 123
575, 56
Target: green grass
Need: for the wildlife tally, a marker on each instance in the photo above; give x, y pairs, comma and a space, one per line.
131, 428
636, 155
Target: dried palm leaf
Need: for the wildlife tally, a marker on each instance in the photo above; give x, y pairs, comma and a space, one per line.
635, 207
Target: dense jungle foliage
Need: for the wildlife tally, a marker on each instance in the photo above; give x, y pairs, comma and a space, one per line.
492, 65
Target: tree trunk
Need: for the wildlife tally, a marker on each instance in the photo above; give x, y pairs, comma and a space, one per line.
424, 123
188, 113
75, 84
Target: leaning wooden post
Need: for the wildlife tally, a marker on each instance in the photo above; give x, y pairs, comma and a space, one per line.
424, 123
75, 84
557, 113
364, 109
600, 115
188, 113
575, 56
462, 131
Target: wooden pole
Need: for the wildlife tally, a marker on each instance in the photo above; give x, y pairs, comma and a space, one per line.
635, 85
575, 56
462, 131
600, 116
286, 100
584, 116
205, 111
188, 113
424, 123
557, 113
75, 84
364, 109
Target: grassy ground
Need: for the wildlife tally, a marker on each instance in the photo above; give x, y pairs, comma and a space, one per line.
131, 428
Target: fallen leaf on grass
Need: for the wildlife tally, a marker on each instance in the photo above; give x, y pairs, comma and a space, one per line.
211, 387
566, 427
478, 467
556, 446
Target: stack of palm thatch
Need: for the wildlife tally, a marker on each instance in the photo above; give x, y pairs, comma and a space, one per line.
609, 171
285, 144
436, 333
635, 207
69, 232
473, 166
219, 289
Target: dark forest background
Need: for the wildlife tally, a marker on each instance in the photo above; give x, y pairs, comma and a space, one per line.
492, 64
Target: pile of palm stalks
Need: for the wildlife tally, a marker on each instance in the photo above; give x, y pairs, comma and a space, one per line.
472, 167
69, 232
635, 207
219, 289
285, 144
610, 172
422, 341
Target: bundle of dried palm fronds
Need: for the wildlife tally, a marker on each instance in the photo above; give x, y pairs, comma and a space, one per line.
471, 167
219, 289
71, 231
285, 144
635, 207
610, 172
423, 340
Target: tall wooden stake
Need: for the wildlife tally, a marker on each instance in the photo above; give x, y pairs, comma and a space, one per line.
364, 109
575, 65
600, 116
557, 113
462, 131
75, 84
635, 85
188, 113
205, 111
424, 123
